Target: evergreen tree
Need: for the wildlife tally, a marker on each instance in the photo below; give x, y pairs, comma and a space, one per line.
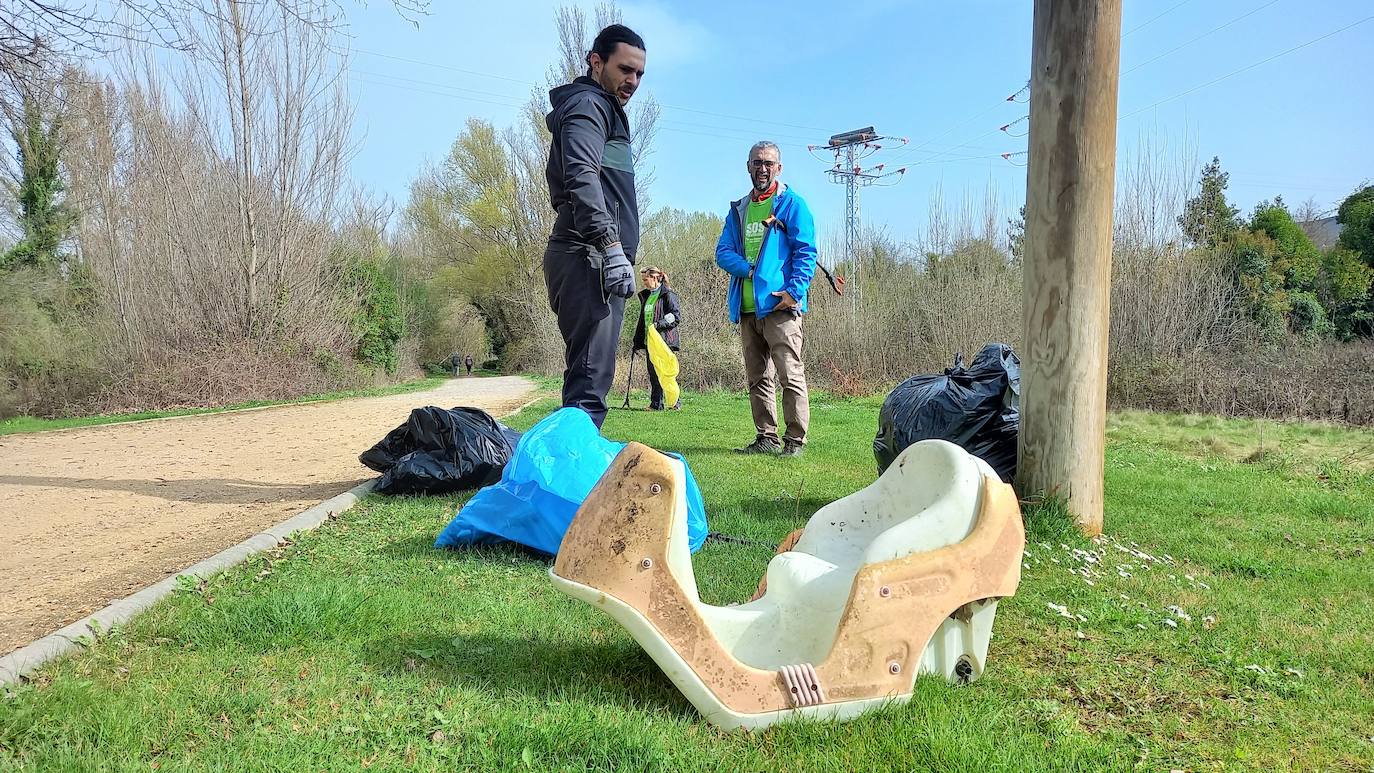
1208, 219
44, 216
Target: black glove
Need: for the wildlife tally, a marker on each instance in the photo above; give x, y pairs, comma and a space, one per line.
617, 275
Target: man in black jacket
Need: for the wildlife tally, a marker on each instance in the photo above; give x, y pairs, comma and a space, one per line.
588, 263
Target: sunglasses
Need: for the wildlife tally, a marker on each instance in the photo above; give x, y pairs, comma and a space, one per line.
759, 163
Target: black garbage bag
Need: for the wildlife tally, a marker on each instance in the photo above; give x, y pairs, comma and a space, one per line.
439, 451
976, 408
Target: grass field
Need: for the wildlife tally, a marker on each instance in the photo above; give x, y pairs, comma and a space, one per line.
1222, 623
20, 424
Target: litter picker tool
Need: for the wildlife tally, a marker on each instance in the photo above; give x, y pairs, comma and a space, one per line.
629, 379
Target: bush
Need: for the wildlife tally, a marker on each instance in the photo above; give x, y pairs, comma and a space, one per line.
1328, 381
1343, 286
1308, 319
48, 357
376, 321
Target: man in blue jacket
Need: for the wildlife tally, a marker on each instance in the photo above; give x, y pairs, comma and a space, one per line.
587, 265
768, 247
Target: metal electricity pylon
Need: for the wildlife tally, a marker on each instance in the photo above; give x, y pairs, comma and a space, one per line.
849, 150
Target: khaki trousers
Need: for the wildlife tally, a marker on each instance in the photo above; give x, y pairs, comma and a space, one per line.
773, 355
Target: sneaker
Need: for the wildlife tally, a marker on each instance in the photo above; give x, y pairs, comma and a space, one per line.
761, 445
791, 448
677, 406
654, 408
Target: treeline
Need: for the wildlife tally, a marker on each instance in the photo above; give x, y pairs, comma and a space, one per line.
1210, 311
182, 229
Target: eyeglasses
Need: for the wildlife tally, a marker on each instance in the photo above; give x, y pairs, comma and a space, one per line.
759, 163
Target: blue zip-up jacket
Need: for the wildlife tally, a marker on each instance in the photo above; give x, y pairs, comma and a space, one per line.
787, 257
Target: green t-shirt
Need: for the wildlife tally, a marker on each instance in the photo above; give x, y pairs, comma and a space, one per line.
649, 304
754, 229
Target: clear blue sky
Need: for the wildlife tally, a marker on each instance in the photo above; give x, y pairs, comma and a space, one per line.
938, 73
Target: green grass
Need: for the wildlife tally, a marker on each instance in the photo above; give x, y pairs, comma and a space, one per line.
362, 646
19, 424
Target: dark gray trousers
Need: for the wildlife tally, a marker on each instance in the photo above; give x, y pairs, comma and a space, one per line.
589, 323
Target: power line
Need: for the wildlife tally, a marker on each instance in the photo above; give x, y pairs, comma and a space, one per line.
539, 85
667, 124
738, 136
799, 138
443, 66
741, 133
1200, 37
958, 126
1006, 126
450, 95
1026, 88
1246, 68
431, 83
1157, 18
1232, 73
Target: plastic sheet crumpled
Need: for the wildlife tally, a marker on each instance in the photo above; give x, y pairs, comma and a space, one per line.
976, 408
555, 466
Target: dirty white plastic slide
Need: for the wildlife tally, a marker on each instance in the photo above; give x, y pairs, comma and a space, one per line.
897, 580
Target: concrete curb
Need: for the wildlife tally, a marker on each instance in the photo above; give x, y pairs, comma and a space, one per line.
33, 656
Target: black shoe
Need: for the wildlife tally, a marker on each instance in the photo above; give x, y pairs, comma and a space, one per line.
761, 445
791, 448
655, 408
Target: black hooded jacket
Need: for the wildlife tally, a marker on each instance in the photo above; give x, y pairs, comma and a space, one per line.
667, 304
591, 169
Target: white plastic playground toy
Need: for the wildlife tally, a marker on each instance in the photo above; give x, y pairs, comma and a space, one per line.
897, 580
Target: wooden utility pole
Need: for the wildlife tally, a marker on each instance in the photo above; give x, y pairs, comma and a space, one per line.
1069, 187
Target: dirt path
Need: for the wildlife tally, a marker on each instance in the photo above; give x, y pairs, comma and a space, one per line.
90, 515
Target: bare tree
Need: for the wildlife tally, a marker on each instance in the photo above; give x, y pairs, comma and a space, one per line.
209, 206
272, 99
1310, 211
28, 27
1167, 301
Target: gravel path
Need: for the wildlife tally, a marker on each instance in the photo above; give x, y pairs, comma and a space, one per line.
91, 515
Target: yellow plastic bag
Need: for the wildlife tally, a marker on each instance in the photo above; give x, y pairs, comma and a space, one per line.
665, 365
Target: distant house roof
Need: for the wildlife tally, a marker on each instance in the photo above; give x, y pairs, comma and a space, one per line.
1323, 232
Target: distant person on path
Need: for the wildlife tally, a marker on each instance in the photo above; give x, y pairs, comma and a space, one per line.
588, 266
454, 362
660, 314
467, 362
768, 246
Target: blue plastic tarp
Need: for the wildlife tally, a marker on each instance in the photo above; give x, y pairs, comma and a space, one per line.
555, 466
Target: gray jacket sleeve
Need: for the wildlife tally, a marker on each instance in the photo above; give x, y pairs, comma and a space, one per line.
582, 134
